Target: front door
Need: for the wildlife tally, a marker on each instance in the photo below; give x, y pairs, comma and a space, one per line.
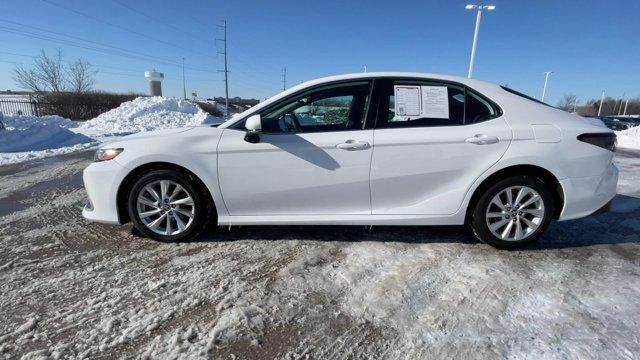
432, 141
313, 157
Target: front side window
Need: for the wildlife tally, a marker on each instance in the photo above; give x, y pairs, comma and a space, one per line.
332, 108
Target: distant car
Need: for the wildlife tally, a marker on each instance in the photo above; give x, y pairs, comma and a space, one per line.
364, 149
612, 124
629, 123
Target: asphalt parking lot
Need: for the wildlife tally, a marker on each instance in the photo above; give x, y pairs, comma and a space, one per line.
74, 289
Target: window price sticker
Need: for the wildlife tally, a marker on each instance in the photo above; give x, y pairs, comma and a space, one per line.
407, 99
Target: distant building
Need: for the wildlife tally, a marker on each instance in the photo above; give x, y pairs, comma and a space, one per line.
155, 82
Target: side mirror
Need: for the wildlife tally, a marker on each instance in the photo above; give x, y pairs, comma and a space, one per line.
253, 126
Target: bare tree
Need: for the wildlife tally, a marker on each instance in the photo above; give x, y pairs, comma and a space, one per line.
49, 74
80, 76
568, 102
28, 79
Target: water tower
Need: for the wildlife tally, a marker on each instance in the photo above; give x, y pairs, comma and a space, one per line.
155, 82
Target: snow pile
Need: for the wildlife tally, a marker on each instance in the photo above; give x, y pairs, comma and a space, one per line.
629, 138
145, 114
30, 137
26, 137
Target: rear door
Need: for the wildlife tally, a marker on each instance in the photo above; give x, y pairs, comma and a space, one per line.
427, 154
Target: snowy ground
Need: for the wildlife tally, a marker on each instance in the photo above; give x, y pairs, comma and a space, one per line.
74, 289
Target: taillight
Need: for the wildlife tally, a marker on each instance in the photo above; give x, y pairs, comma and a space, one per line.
603, 140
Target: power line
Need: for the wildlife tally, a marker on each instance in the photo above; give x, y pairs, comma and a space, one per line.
119, 49
107, 72
157, 20
92, 64
248, 83
117, 52
83, 14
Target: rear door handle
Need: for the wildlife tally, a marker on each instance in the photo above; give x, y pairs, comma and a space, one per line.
482, 139
352, 145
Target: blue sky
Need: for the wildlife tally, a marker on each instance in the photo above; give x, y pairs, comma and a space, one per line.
590, 45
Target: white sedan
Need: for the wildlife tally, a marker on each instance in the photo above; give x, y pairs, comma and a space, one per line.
364, 149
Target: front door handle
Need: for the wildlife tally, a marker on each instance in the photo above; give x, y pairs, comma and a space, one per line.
482, 139
352, 145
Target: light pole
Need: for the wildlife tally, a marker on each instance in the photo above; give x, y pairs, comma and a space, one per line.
546, 79
625, 107
475, 33
621, 99
601, 100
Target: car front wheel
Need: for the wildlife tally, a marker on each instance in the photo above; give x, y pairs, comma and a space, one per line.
167, 205
513, 212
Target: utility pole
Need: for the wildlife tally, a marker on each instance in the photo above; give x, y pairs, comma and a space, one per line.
601, 100
284, 79
226, 70
184, 84
546, 79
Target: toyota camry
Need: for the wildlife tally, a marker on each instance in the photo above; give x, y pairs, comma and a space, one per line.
364, 149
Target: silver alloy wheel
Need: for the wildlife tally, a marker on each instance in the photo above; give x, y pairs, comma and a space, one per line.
515, 213
165, 207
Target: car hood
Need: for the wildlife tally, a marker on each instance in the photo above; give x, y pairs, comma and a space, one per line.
156, 133
175, 135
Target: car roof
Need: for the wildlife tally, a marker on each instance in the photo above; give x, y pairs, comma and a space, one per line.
394, 74
479, 85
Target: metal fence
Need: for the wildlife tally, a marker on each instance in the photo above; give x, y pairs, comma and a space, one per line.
73, 110
18, 107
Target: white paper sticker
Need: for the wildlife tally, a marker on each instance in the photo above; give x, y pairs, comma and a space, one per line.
407, 99
435, 102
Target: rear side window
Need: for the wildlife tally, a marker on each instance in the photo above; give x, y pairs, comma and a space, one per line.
414, 104
421, 104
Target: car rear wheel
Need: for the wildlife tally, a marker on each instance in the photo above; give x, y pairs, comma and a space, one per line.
513, 212
168, 206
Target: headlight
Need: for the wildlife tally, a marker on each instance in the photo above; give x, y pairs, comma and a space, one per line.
107, 154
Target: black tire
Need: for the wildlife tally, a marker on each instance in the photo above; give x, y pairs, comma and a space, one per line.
202, 205
480, 227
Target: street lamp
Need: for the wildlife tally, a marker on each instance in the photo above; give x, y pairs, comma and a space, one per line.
546, 79
601, 100
480, 8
